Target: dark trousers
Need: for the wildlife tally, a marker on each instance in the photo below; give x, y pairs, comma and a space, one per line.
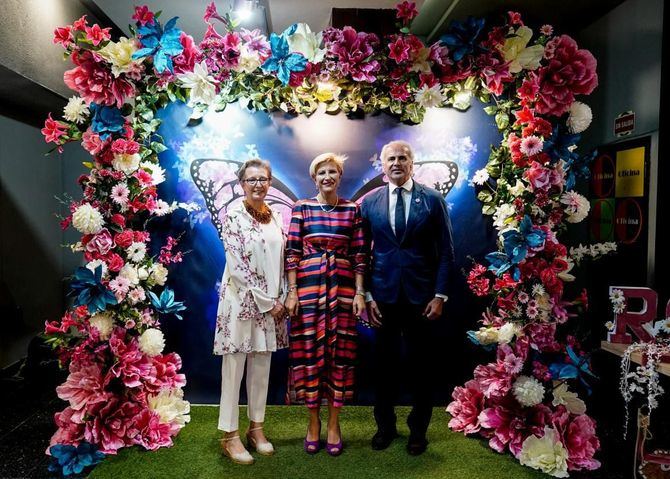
403, 324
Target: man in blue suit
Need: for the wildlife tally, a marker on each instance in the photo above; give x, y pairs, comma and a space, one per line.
412, 257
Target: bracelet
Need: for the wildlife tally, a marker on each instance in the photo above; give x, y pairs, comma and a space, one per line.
360, 292
292, 288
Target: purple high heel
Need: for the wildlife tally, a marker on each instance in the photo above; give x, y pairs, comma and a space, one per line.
312, 447
334, 449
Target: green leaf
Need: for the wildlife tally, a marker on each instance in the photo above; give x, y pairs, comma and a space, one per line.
502, 120
488, 209
158, 147
485, 196
491, 110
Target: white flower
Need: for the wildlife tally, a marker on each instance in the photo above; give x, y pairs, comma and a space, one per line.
161, 208
528, 391
130, 273
487, 335
136, 295
518, 189
304, 41
104, 323
87, 220
546, 453
518, 54
664, 325
248, 61
157, 173
610, 325
126, 162
580, 117
95, 263
171, 407
429, 97
158, 274
538, 290
576, 206
143, 273
120, 194
569, 399
152, 342
507, 332
120, 55
136, 251
480, 177
502, 214
565, 275
617, 296
200, 85
76, 110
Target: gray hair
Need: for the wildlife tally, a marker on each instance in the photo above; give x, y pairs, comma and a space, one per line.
402, 144
254, 163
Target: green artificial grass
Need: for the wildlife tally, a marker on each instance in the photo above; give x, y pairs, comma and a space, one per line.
196, 455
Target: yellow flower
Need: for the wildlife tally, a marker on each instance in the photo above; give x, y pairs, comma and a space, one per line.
120, 54
546, 454
518, 54
327, 91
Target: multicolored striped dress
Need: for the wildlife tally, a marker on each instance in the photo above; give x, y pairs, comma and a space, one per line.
327, 248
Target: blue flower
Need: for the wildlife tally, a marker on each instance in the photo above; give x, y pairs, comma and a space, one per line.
166, 303
559, 145
106, 120
578, 167
90, 290
282, 61
574, 367
67, 459
500, 262
461, 37
162, 44
516, 243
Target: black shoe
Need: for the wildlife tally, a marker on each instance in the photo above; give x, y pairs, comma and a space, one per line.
416, 445
383, 439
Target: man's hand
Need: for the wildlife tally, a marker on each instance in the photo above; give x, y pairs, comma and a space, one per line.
434, 309
374, 315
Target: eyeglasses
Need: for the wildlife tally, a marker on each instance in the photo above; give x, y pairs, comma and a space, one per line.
256, 181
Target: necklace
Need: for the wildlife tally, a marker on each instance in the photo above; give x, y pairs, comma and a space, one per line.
264, 216
337, 202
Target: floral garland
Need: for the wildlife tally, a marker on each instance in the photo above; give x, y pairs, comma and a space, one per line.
110, 337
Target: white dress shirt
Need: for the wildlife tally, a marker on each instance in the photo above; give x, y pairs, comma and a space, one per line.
393, 199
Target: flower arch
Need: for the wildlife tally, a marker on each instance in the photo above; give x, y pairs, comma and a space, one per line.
124, 390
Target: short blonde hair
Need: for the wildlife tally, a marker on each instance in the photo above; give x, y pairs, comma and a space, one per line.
402, 144
255, 163
324, 158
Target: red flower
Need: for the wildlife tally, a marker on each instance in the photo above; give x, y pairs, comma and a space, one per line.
97, 35
189, 56
53, 130
63, 35
115, 262
399, 50
467, 404
143, 15
124, 239
406, 11
118, 220
514, 18
399, 91
80, 24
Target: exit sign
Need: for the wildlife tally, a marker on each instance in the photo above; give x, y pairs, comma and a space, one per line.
624, 124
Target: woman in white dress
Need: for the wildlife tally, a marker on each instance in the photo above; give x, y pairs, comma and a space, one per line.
251, 321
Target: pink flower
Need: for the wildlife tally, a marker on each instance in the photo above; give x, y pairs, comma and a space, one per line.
189, 56
167, 374
83, 388
94, 82
112, 426
546, 30
125, 238
63, 36
542, 178
578, 435
100, 243
97, 35
439, 54
143, 15
496, 74
514, 18
399, 91
570, 72
119, 194
467, 404
91, 142
542, 337
406, 11
114, 262
150, 432
133, 367
70, 431
53, 130
511, 424
80, 24
210, 12
495, 381
123, 146
120, 286
354, 52
531, 145
399, 50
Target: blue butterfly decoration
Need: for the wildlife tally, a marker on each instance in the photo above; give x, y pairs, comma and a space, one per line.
282, 61
162, 44
106, 120
461, 37
575, 367
166, 304
516, 244
67, 459
90, 291
578, 167
559, 145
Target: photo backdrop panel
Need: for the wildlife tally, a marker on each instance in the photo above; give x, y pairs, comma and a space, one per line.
201, 165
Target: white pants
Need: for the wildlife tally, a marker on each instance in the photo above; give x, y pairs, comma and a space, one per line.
258, 376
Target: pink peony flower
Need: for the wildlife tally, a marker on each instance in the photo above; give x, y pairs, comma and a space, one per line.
511, 424
112, 426
494, 379
100, 243
122, 146
83, 388
53, 130
97, 35
70, 431
167, 374
94, 82
578, 435
150, 433
468, 403
133, 367
570, 72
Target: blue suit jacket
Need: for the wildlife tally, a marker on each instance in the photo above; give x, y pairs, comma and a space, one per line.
420, 262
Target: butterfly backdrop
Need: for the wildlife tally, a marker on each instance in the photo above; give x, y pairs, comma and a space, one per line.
201, 164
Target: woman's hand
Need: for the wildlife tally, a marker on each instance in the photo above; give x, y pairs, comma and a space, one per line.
278, 311
291, 304
359, 305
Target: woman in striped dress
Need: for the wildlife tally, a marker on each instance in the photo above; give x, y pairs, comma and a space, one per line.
326, 255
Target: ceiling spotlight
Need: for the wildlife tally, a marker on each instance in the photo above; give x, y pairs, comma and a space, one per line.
244, 9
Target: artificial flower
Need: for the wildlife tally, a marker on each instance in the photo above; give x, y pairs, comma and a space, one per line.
576, 206
160, 44
580, 117
136, 251
545, 453
171, 407
468, 403
158, 274
90, 290
282, 61
103, 322
126, 163
531, 145
302, 40
200, 85
528, 391
152, 342
480, 177
120, 55
569, 399
248, 61
517, 52
87, 219
106, 120
53, 130
76, 110
68, 459
462, 37
430, 97
165, 304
